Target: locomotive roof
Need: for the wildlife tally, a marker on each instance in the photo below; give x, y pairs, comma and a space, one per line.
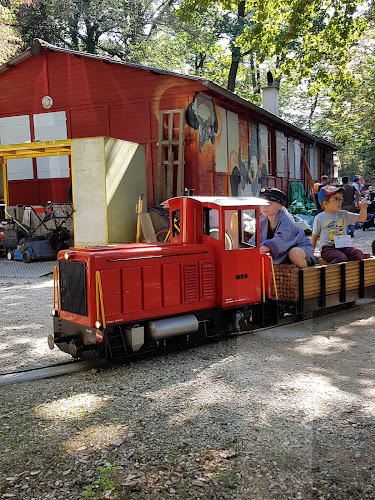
230, 201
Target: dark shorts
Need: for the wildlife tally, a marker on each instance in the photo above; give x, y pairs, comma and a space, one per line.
334, 255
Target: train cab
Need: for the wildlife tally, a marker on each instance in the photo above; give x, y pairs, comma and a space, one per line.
229, 225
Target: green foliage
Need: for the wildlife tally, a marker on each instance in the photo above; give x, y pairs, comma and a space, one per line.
342, 113
103, 483
95, 26
299, 38
9, 38
321, 54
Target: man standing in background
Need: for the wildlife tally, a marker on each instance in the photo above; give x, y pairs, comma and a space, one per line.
355, 182
350, 201
317, 187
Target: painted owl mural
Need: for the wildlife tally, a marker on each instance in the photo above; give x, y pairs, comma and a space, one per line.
201, 116
240, 146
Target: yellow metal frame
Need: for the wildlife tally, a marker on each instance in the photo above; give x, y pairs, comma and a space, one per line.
3, 162
31, 150
36, 149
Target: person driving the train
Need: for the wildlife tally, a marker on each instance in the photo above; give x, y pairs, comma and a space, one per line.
279, 235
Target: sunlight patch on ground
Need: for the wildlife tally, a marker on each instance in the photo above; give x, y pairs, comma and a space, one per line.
40, 346
23, 287
322, 345
364, 321
77, 406
46, 284
13, 296
33, 326
317, 394
20, 342
96, 437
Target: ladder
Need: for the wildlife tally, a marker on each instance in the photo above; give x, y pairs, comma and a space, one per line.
171, 143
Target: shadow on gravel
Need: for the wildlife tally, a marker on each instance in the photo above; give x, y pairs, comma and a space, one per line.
245, 419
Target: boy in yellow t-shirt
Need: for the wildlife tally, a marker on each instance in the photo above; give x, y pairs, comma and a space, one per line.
330, 226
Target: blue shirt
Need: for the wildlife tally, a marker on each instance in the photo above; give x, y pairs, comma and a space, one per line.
287, 236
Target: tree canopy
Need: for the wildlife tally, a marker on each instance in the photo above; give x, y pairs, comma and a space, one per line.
320, 53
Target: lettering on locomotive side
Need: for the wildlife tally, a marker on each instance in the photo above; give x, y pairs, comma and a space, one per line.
232, 301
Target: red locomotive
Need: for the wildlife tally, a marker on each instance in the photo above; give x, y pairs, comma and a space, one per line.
210, 280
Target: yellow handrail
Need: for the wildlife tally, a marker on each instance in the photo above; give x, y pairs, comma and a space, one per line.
54, 285
274, 279
99, 299
56, 297
263, 282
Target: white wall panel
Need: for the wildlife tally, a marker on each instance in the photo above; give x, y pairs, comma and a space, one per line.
297, 158
16, 130
51, 127
291, 157
221, 142
313, 163
279, 154
263, 146
233, 139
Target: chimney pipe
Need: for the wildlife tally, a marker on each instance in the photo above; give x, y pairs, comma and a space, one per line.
271, 99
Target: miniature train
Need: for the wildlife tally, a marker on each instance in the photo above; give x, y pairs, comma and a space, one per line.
208, 282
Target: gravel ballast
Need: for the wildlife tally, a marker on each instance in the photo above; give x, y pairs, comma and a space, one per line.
284, 413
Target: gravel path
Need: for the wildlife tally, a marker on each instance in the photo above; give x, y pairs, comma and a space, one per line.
285, 413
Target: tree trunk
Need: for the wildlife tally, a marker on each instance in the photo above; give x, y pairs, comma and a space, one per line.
312, 111
233, 69
236, 51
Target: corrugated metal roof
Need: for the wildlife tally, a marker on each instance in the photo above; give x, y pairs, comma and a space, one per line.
264, 115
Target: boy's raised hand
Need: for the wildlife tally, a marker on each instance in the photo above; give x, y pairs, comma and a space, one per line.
363, 202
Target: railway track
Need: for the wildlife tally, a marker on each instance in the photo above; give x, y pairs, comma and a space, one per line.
47, 371
66, 368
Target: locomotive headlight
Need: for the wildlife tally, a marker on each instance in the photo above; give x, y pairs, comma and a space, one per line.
66, 256
98, 324
54, 312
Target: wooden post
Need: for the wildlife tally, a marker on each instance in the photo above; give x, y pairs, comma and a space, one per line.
310, 179
139, 208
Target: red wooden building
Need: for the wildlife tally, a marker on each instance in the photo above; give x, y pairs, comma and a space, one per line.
216, 142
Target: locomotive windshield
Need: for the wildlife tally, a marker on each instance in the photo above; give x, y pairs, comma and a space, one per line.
240, 227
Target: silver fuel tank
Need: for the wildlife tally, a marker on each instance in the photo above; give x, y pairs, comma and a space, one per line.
161, 329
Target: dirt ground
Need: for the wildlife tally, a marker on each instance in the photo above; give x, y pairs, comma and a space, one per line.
285, 413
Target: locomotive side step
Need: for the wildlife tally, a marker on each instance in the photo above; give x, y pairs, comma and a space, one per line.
115, 345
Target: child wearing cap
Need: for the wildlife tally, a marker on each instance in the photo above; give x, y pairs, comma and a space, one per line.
279, 234
330, 226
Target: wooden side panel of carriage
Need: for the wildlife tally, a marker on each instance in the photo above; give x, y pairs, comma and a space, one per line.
325, 285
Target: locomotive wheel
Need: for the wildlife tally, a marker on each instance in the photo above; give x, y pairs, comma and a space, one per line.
349, 305
298, 317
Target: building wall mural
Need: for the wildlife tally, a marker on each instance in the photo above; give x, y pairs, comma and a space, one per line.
241, 151
201, 116
263, 155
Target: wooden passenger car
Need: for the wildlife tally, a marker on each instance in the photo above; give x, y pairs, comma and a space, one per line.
324, 285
